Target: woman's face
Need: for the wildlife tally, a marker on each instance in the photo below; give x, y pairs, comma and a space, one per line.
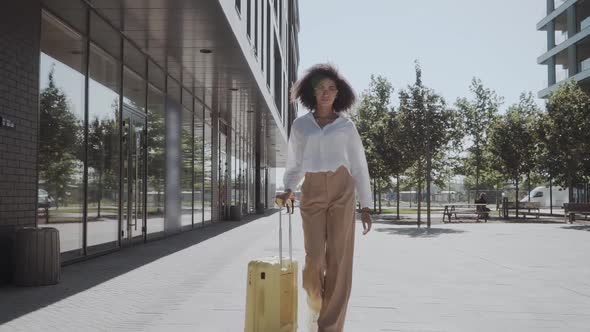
325, 93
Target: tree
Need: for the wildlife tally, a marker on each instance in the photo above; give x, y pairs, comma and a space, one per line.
392, 151
59, 133
564, 135
371, 121
428, 127
512, 141
478, 115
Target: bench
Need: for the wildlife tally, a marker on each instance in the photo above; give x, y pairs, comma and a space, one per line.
524, 208
477, 210
571, 209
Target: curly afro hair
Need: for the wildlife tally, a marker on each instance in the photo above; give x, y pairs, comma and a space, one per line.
303, 89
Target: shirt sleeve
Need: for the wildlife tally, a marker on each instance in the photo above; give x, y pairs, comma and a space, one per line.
293, 171
359, 169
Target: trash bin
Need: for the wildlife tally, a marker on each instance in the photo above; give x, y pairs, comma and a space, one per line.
37, 257
235, 213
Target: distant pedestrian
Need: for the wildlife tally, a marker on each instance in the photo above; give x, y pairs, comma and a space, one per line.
482, 210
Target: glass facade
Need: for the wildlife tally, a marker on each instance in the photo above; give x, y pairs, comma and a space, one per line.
187, 172
208, 168
198, 162
61, 132
103, 149
156, 163
103, 133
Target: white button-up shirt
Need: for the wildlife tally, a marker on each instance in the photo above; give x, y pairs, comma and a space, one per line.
316, 149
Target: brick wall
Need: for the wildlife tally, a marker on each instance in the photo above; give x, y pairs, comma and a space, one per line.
19, 98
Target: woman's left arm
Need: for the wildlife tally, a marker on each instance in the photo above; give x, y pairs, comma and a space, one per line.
359, 169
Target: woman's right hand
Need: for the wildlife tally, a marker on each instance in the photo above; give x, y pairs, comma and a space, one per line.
283, 197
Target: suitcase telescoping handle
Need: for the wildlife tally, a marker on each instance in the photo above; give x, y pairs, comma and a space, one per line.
280, 203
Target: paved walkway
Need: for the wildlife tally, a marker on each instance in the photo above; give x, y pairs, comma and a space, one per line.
453, 277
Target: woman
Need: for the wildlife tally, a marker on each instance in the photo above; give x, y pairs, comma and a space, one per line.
326, 150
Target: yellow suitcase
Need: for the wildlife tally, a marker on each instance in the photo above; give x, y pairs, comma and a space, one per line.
271, 297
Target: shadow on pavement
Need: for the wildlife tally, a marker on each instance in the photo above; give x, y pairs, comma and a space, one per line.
578, 228
419, 232
392, 220
19, 301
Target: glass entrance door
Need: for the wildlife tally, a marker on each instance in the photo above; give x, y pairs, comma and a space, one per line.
223, 173
133, 227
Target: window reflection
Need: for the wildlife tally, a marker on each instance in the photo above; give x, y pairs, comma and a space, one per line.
156, 166
133, 153
198, 164
208, 179
61, 133
103, 149
186, 178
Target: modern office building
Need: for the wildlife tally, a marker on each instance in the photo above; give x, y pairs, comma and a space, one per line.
568, 43
127, 120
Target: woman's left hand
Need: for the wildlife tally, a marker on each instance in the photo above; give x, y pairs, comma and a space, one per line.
366, 220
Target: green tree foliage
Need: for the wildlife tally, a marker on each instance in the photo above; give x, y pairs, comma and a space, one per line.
102, 158
59, 136
391, 150
156, 157
564, 136
428, 128
371, 121
478, 114
512, 142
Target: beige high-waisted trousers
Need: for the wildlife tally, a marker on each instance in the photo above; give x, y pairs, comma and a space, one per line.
327, 208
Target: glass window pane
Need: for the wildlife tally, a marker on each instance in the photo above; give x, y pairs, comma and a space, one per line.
133, 162
223, 175
61, 133
105, 36
103, 150
187, 99
133, 91
173, 89
198, 164
156, 142
208, 179
156, 76
186, 178
134, 59
72, 11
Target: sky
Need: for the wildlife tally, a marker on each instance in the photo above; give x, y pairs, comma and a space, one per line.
454, 41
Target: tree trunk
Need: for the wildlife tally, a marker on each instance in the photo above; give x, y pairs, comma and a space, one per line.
419, 192
477, 162
159, 201
428, 181
528, 178
379, 195
571, 191
449, 190
551, 196
397, 197
374, 196
516, 204
99, 192
497, 195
